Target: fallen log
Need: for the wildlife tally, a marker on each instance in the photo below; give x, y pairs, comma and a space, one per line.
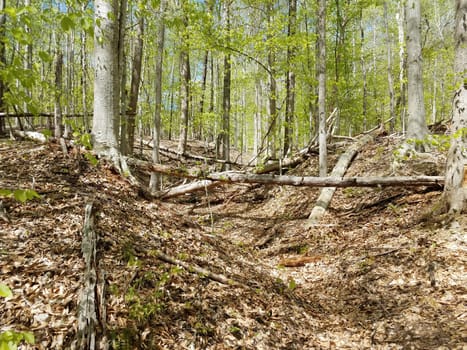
89, 301
310, 181
343, 163
187, 188
331, 181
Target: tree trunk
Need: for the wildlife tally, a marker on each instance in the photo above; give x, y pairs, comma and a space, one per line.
416, 128
122, 131
290, 79
184, 87
58, 95
272, 101
106, 80
155, 179
401, 100
455, 192
134, 86
2, 63
309, 181
392, 114
323, 167
226, 96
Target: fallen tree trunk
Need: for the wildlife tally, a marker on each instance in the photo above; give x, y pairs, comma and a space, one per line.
89, 301
187, 188
310, 181
339, 170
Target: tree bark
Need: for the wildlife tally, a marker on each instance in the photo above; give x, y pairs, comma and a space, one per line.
290, 78
310, 181
184, 86
392, 113
455, 192
323, 167
106, 79
416, 128
2, 63
134, 86
58, 95
226, 95
339, 170
156, 134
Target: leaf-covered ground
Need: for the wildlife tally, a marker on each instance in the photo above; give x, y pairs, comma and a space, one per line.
376, 273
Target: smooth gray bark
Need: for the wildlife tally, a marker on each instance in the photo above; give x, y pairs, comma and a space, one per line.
323, 167
416, 124
106, 78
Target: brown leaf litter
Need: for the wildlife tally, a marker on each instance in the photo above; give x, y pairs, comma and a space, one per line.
374, 276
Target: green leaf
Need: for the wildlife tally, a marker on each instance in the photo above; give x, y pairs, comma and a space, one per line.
5, 192
29, 337
90, 157
44, 56
47, 133
5, 291
67, 23
20, 195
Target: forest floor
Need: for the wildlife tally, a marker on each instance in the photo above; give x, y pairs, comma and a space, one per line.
378, 272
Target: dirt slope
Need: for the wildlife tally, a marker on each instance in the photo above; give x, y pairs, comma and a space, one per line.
376, 275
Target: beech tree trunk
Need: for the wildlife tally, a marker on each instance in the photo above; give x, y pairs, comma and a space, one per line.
416, 128
455, 191
106, 79
323, 166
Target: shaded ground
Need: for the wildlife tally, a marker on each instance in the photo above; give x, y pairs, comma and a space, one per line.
379, 275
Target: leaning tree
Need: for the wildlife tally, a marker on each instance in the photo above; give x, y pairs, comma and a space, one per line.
455, 188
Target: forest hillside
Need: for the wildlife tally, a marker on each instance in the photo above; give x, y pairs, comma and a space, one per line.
234, 266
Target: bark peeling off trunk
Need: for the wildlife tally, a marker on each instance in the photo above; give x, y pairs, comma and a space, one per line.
88, 305
456, 169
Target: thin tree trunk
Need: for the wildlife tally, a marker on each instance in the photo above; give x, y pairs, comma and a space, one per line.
364, 74
122, 61
323, 168
290, 79
392, 113
134, 85
156, 134
226, 96
401, 100
2, 63
184, 87
272, 105
58, 94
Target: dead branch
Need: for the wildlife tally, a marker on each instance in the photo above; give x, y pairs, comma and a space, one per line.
88, 304
194, 268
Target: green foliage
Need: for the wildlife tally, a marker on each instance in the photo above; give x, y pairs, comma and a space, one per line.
5, 291
20, 195
9, 340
